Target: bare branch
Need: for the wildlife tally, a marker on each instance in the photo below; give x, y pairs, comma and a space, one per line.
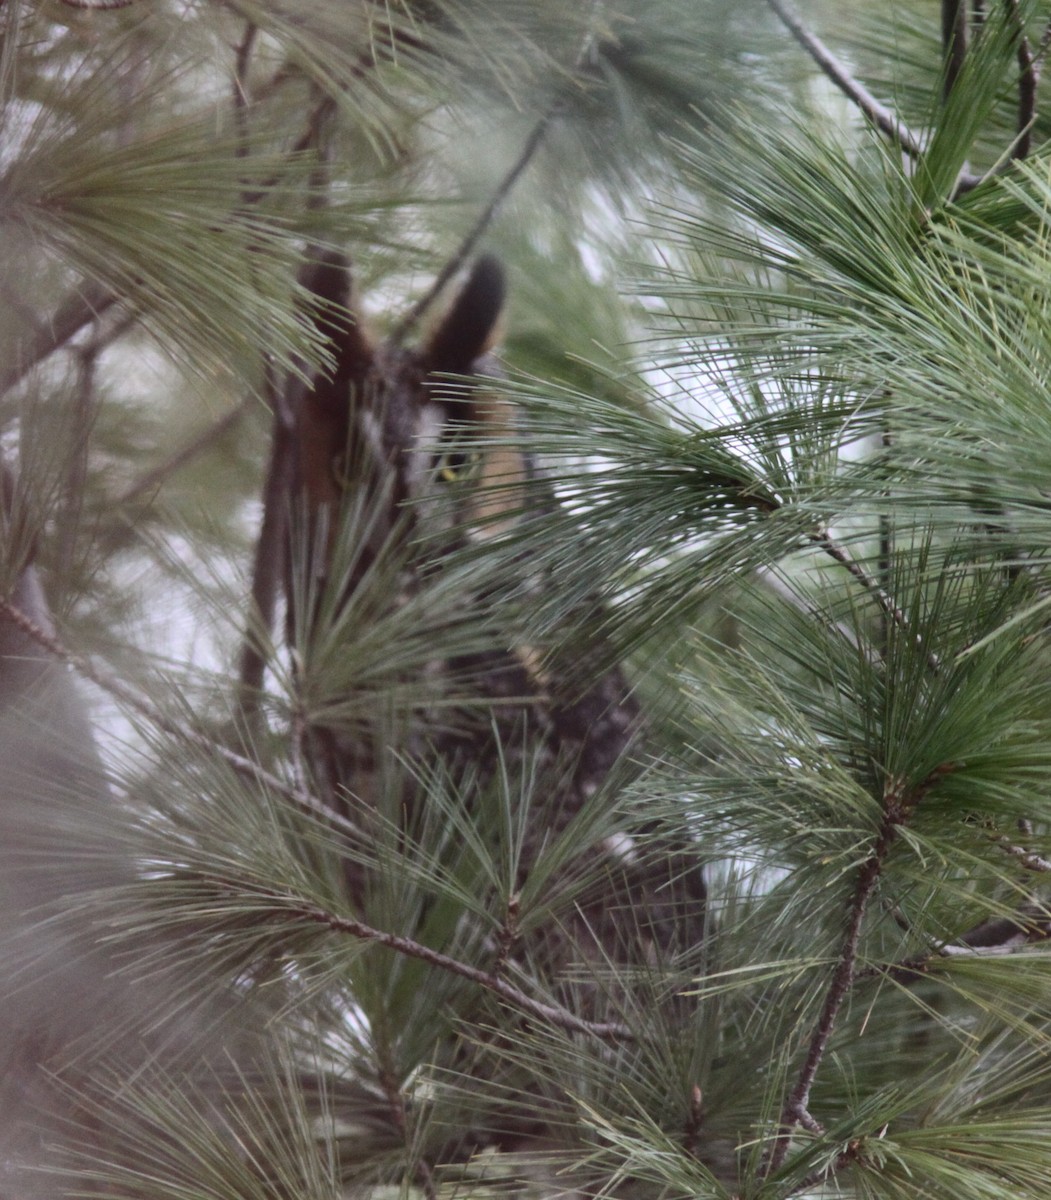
881, 116
529, 148
884, 118
1027, 859
474, 235
80, 308
1028, 78
954, 41
200, 442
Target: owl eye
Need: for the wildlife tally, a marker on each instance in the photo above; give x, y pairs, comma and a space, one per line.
456, 465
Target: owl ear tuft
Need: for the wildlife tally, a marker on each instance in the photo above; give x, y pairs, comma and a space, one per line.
330, 281
466, 331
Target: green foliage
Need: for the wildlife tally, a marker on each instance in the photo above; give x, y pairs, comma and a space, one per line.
793, 473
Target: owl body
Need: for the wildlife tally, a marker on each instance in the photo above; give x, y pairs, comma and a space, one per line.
425, 465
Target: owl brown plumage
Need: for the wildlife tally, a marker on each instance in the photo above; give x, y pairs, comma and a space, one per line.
384, 421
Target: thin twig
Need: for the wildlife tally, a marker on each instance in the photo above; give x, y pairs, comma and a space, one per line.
484, 219
271, 548
200, 442
885, 562
884, 118
80, 308
992, 937
392, 1089
269, 560
1027, 85
270, 557
474, 234
85, 410
240, 86
508, 935
852, 1154
1026, 858
426, 1178
881, 116
795, 1111
308, 138
886, 602
553, 1013
299, 732
99, 5
109, 333
954, 41
138, 703
814, 610
92, 299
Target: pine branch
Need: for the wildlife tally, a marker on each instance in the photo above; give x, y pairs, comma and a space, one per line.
552, 1013
872, 585
90, 300
795, 1111
138, 703
884, 118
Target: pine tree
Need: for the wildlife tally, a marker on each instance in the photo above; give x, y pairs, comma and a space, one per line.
616, 766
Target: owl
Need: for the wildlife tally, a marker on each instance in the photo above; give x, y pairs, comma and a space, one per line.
411, 455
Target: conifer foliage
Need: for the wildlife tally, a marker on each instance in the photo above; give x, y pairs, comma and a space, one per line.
523, 599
